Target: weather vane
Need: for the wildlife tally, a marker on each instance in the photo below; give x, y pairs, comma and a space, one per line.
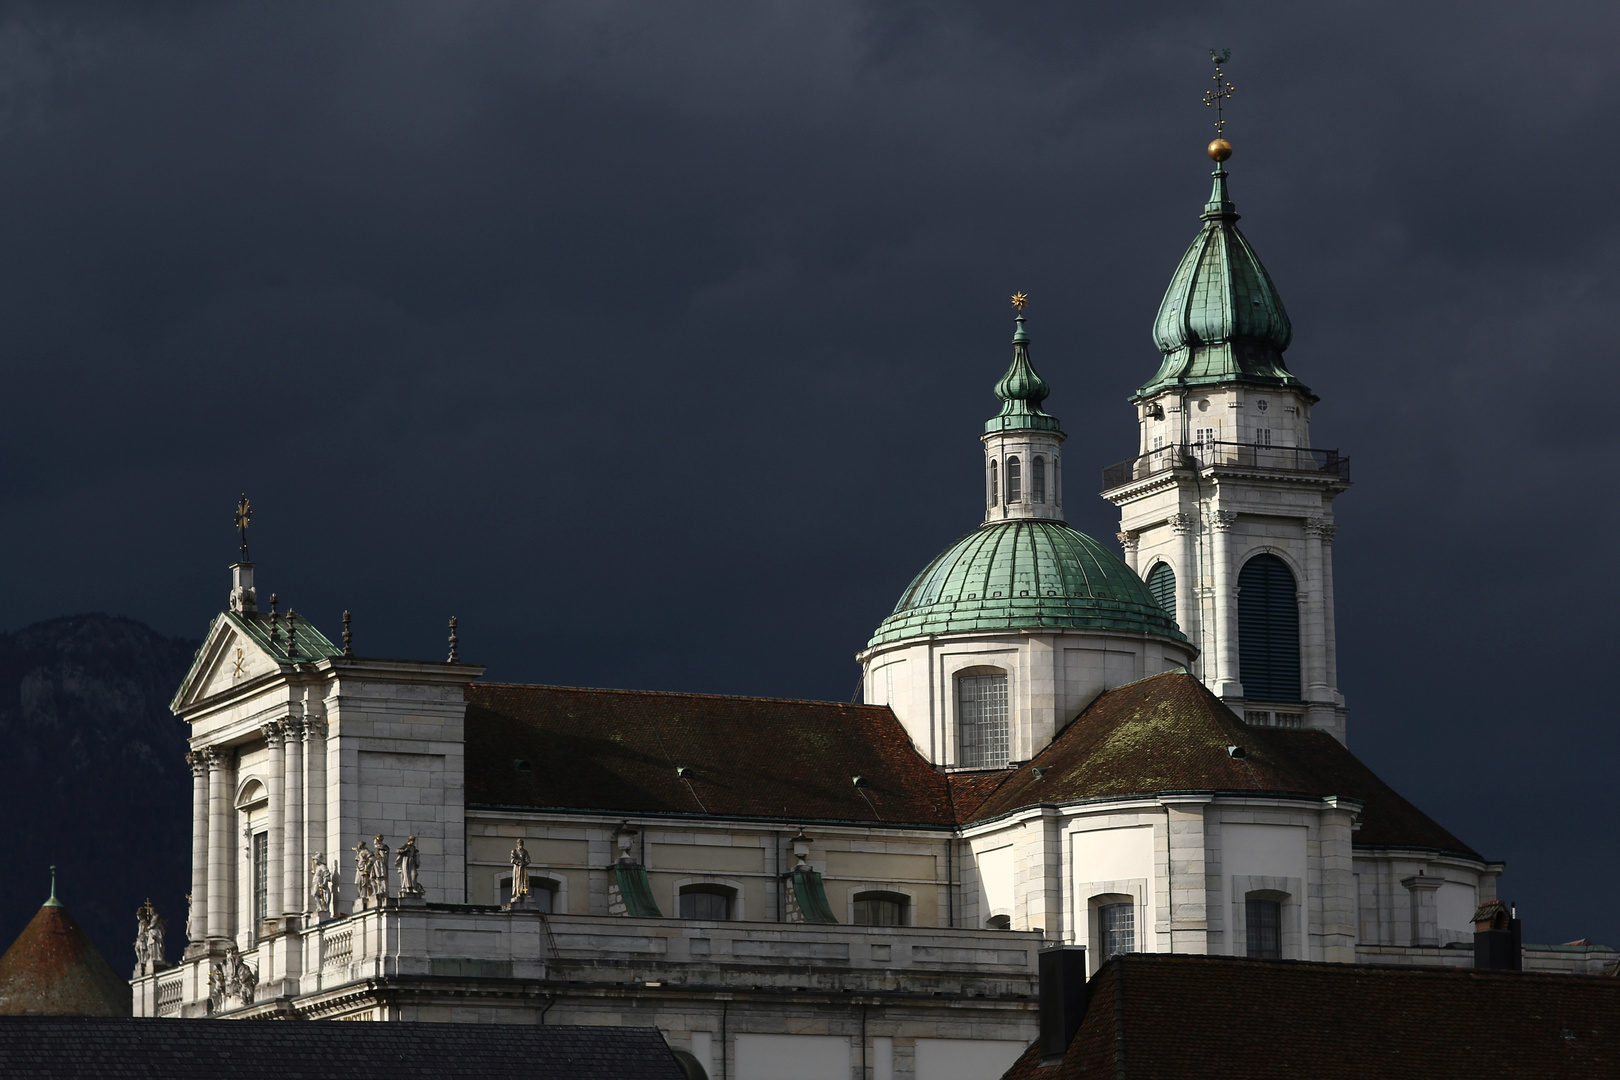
1222, 92
1019, 300
244, 514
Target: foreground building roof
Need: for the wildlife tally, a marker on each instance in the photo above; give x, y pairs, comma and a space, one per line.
107, 1049
53, 969
1174, 1015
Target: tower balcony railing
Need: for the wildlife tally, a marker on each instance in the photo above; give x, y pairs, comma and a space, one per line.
1279, 459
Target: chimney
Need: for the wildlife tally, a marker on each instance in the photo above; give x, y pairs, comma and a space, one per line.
1063, 998
1497, 945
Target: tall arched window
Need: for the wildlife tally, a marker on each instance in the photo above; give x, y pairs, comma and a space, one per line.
1268, 630
1057, 481
982, 720
1037, 480
994, 494
1015, 480
1162, 584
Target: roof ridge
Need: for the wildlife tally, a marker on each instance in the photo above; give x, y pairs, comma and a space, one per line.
671, 693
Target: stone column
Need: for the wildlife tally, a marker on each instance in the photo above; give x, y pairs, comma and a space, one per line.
1421, 891
1130, 542
1226, 682
292, 875
315, 799
274, 736
197, 924
1186, 575
1315, 637
219, 842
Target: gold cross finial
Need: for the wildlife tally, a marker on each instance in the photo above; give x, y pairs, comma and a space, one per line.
1019, 300
244, 514
1221, 93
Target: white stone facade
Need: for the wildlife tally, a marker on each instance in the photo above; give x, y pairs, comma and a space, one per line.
1051, 676
1226, 474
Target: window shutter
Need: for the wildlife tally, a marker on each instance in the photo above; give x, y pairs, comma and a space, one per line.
1268, 631
1161, 584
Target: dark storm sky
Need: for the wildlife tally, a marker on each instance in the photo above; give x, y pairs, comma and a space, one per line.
653, 340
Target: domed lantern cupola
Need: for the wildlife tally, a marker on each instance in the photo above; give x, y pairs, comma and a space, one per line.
1022, 470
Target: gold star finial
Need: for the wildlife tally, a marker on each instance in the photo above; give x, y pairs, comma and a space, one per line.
1019, 300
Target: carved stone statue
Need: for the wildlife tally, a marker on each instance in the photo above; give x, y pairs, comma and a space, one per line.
156, 946
143, 922
231, 978
407, 862
191, 927
362, 875
150, 930
520, 871
379, 868
320, 881
216, 988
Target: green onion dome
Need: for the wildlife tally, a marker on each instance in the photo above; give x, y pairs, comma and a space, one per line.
1221, 321
1025, 575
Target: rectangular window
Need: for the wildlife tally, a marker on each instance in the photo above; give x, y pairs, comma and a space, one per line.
1264, 929
1117, 922
1158, 442
261, 880
1037, 481
1015, 481
1262, 436
1205, 436
982, 721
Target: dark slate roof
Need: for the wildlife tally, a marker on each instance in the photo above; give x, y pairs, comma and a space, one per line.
53, 969
112, 1049
617, 751
1168, 733
1191, 1017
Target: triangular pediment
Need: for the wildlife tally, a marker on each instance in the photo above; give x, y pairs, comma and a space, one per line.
230, 658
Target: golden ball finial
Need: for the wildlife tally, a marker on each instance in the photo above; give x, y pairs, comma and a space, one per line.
1220, 150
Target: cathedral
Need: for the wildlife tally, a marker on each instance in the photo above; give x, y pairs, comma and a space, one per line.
1058, 744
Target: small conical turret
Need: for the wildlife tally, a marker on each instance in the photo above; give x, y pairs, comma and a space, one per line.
1022, 391
52, 969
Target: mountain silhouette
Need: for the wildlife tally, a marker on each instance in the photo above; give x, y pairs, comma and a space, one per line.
93, 778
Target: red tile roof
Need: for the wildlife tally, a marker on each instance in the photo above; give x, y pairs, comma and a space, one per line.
52, 969
1168, 734
1191, 1017
617, 751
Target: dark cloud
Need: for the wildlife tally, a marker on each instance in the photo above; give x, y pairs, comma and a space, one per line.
653, 341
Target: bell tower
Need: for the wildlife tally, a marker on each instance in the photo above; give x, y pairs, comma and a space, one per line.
1226, 511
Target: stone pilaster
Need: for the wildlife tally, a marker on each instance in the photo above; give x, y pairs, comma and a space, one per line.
1337, 891
315, 798
1330, 637
1315, 638
1225, 682
1421, 892
1186, 910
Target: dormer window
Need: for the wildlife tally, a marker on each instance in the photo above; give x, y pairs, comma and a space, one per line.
1015, 481
1037, 480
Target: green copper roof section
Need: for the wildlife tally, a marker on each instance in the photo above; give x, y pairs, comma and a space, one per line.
1024, 574
811, 895
636, 891
1221, 321
309, 644
1021, 391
